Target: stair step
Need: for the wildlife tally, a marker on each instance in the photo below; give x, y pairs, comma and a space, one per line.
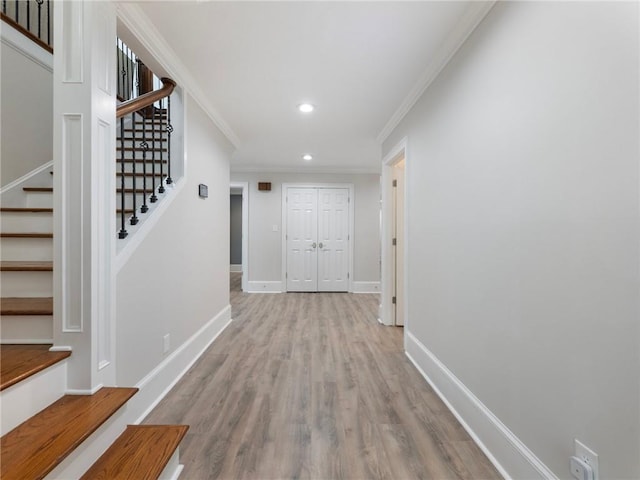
141, 452
18, 362
25, 235
139, 160
35, 447
26, 306
37, 189
26, 209
26, 266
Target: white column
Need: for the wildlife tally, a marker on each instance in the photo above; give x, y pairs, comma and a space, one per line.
84, 189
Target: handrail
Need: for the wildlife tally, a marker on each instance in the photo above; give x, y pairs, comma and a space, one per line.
147, 99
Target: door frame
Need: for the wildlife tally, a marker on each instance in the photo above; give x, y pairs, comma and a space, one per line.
398, 152
244, 186
285, 187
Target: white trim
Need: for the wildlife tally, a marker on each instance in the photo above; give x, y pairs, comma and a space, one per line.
60, 348
366, 287
511, 457
386, 248
83, 391
471, 19
139, 232
235, 268
26, 341
264, 287
157, 383
306, 169
244, 186
25, 178
133, 18
352, 201
26, 47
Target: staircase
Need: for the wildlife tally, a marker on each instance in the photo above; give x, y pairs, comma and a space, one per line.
43, 430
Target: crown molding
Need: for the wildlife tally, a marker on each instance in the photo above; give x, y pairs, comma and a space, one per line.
456, 38
302, 170
135, 20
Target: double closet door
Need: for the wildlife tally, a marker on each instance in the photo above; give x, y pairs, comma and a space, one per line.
317, 239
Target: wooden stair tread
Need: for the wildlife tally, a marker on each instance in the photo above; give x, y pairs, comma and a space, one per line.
18, 362
27, 209
26, 306
139, 160
141, 452
140, 149
26, 235
37, 189
35, 447
25, 266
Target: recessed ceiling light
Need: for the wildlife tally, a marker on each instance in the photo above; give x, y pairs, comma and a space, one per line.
307, 156
306, 107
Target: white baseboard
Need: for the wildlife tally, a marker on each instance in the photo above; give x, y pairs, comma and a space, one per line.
235, 268
366, 287
264, 287
163, 378
508, 454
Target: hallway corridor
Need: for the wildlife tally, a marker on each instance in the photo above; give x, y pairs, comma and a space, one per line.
311, 386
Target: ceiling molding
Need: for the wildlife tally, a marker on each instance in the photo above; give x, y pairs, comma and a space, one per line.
302, 170
472, 18
137, 22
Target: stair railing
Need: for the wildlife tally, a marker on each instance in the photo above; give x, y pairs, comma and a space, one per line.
33, 18
147, 118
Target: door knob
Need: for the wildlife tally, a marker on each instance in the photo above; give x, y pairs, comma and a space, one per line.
320, 245
313, 245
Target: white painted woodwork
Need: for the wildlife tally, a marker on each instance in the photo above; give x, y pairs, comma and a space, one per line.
28, 397
302, 239
333, 239
26, 284
26, 249
27, 328
26, 222
398, 248
317, 239
38, 199
84, 189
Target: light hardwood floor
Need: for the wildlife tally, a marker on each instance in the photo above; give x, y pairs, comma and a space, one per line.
311, 386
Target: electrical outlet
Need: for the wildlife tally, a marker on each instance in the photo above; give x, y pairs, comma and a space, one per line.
588, 456
166, 343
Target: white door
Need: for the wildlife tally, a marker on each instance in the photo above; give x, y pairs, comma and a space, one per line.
302, 239
317, 239
333, 238
399, 230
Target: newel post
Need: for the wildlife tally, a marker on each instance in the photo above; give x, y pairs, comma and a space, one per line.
84, 191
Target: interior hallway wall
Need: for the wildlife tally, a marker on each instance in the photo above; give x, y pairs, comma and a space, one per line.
523, 226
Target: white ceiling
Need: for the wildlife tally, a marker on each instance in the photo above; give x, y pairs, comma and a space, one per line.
356, 61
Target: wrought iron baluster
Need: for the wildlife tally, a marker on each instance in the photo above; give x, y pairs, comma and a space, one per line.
145, 146
154, 197
169, 130
40, 2
123, 231
161, 131
134, 218
48, 22
29, 15
4, 6
17, 11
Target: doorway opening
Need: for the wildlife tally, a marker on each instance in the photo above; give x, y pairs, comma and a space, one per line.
393, 304
238, 235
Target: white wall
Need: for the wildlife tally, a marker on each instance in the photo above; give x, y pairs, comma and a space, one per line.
265, 210
523, 228
26, 93
178, 278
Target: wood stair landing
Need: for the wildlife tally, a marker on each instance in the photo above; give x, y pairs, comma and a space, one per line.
26, 306
35, 447
141, 452
18, 362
